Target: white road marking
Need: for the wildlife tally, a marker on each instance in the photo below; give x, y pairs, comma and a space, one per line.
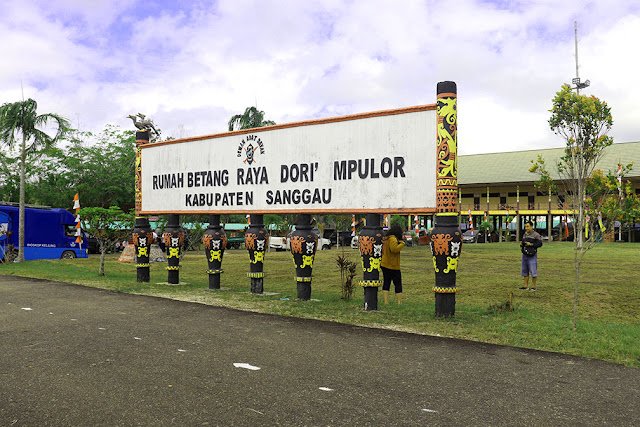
246, 366
137, 338
325, 388
181, 350
27, 308
430, 410
103, 329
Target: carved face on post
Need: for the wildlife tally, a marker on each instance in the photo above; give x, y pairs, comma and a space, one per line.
215, 242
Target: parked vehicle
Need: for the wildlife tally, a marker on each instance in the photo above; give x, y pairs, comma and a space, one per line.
235, 239
279, 243
92, 243
331, 235
323, 243
284, 243
49, 234
421, 239
470, 236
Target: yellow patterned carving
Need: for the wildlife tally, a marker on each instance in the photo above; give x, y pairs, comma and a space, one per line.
374, 264
447, 143
452, 265
255, 275
440, 290
307, 260
370, 283
174, 252
259, 257
435, 265
216, 255
138, 158
447, 181
143, 251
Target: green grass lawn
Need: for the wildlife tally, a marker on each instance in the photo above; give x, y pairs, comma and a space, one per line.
608, 327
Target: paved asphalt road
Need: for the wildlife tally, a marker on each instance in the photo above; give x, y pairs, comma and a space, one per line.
76, 356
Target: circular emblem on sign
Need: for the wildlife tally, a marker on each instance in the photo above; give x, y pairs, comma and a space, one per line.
251, 146
250, 151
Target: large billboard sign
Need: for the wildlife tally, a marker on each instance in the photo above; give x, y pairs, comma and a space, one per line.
374, 162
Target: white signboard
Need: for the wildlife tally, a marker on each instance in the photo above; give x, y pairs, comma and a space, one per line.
374, 162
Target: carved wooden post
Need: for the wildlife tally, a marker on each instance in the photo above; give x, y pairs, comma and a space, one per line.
370, 242
304, 243
173, 239
256, 240
446, 238
141, 234
215, 242
142, 239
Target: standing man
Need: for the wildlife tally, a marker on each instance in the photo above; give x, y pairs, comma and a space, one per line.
529, 247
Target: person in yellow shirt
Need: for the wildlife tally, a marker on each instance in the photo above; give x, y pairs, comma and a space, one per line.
392, 245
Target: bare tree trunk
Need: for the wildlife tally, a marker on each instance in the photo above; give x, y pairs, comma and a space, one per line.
102, 255
21, 227
578, 246
575, 291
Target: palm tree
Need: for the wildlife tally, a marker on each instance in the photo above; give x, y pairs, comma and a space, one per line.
21, 118
252, 118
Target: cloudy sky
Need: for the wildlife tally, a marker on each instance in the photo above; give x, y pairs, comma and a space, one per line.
192, 64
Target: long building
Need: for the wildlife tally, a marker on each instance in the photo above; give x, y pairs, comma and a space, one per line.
500, 185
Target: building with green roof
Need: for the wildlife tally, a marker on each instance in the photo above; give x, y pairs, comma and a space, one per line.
500, 184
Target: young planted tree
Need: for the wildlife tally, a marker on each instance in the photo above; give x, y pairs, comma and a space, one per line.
108, 226
21, 121
583, 122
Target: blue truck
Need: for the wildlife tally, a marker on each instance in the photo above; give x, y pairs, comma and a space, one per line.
49, 234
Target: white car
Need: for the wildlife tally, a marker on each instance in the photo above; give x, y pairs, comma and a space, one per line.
280, 243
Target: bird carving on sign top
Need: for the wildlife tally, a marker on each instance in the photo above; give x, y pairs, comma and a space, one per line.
141, 122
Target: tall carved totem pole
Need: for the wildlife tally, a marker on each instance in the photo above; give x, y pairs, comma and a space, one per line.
446, 237
142, 235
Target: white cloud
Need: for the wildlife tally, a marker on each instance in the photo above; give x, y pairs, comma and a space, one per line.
191, 65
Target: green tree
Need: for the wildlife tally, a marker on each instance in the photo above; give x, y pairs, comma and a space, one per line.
10, 178
99, 167
252, 118
583, 122
20, 120
613, 199
108, 226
